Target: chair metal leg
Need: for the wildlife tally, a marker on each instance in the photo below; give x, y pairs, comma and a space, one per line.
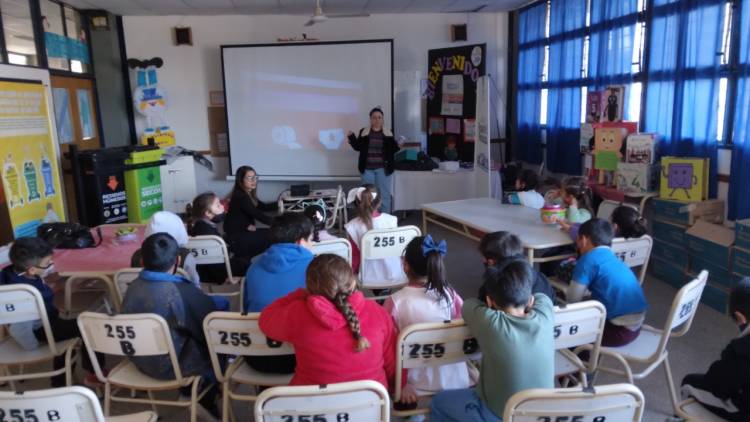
107, 398
151, 397
225, 401
194, 400
670, 384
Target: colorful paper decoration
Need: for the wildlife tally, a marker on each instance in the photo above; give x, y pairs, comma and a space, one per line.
437, 126
684, 178
635, 177
639, 148
593, 106
613, 102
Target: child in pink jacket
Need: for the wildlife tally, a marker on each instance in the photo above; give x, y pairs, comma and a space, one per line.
337, 334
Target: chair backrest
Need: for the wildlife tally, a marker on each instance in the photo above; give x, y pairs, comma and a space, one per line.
578, 324
361, 401
210, 250
607, 207
434, 344
232, 333
22, 303
68, 404
606, 403
340, 247
127, 335
684, 306
385, 243
634, 252
126, 276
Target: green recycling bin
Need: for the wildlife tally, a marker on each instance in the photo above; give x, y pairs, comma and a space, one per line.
143, 184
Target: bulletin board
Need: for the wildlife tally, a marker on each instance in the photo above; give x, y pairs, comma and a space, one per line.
451, 98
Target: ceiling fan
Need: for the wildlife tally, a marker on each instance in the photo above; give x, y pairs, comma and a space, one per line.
320, 17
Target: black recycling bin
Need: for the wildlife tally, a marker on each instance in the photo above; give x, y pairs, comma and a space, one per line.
100, 185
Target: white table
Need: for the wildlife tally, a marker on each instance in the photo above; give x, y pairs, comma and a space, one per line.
411, 189
474, 218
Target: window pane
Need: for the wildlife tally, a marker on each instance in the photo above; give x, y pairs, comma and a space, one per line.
722, 109
78, 51
54, 35
84, 110
19, 35
633, 112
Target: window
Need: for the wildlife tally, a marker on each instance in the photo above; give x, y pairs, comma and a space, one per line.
54, 35
76, 38
19, 32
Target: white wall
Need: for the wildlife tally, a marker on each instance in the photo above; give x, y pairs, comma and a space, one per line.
190, 72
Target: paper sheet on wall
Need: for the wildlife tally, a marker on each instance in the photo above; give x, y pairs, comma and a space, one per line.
453, 126
453, 95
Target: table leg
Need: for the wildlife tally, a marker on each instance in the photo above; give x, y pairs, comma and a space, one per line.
424, 223
530, 255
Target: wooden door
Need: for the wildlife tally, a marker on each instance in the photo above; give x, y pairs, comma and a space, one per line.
76, 124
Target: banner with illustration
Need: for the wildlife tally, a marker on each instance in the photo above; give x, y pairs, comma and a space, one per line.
30, 175
451, 93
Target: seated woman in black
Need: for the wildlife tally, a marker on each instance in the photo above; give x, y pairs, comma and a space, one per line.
244, 239
205, 214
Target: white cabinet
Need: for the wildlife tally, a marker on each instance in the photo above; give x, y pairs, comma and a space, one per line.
178, 184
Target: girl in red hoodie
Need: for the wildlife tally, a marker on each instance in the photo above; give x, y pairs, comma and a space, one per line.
337, 334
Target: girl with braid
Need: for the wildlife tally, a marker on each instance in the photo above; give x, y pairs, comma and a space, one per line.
337, 334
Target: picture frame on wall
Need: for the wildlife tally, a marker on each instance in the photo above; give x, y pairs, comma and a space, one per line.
437, 126
470, 130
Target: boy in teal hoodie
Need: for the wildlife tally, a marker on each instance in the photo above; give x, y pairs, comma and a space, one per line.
278, 272
515, 334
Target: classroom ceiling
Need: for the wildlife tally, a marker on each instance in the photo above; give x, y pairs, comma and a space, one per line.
292, 7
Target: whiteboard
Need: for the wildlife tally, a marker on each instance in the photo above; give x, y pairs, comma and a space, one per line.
289, 106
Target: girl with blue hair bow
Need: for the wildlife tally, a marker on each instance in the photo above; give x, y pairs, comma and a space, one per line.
428, 297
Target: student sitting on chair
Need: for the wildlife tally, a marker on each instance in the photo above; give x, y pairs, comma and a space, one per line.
725, 388
172, 224
500, 248
369, 217
526, 194
628, 223
427, 298
31, 262
337, 334
205, 213
610, 281
276, 273
316, 212
184, 306
514, 330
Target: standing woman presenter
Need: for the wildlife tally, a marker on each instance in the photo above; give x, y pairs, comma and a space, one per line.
376, 147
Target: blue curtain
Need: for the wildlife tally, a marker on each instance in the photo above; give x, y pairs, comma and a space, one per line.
739, 186
567, 23
683, 78
611, 46
531, 27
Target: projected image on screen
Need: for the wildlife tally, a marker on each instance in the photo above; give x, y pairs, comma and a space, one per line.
290, 106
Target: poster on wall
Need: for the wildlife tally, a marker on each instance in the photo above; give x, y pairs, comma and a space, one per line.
29, 171
451, 92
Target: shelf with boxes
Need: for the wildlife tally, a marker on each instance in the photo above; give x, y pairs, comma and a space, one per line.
689, 237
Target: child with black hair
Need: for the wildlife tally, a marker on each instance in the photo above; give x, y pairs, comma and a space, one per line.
500, 248
526, 195
337, 334
514, 330
277, 272
427, 298
628, 223
31, 262
316, 212
183, 305
725, 388
610, 281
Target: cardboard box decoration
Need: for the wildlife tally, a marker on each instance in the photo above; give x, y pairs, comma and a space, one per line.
608, 147
639, 148
587, 134
742, 234
636, 178
593, 106
710, 242
613, 102
684, 179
